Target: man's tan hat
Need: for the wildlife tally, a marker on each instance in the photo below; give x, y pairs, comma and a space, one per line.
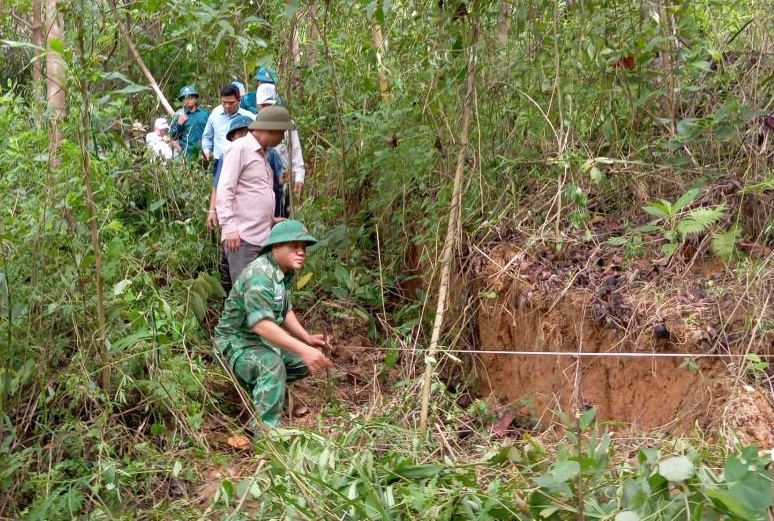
272, 118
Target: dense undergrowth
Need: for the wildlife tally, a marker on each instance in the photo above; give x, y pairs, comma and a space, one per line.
563, 134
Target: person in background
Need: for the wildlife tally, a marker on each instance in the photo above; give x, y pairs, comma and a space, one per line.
188, 123
266, 96
244, 201
259, 334
246, 99
263, 76
158, 141
219, 123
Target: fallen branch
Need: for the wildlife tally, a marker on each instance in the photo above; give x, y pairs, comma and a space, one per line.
138, 59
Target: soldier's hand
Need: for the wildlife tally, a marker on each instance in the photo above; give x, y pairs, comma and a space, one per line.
317, 340
182, 118
298, 189
233, 241
315, 360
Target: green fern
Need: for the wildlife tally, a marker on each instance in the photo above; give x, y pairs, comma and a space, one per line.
699, 220
724, 243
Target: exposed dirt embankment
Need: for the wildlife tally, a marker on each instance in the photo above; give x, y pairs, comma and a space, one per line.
582, 303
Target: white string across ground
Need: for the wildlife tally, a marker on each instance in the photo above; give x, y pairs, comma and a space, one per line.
620, 354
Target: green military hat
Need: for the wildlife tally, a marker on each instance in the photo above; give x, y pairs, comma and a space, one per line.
188, 90
239, 121
266, 75
288, 231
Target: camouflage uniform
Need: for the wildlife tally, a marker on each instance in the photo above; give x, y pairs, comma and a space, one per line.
262, 291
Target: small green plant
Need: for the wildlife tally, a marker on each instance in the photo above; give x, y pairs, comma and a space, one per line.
676, 224
756, 366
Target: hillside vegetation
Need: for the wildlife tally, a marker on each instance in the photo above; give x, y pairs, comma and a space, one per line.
455, 150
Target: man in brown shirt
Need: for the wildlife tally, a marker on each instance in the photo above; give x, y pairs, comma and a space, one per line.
245, 196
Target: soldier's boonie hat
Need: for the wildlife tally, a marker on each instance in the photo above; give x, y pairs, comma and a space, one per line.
266, 75
288, 231
240, 121
188, 90
272, 118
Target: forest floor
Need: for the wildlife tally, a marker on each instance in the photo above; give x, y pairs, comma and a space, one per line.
667, 349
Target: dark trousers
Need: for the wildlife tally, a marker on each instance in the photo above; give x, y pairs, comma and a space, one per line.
281, 200
238, 260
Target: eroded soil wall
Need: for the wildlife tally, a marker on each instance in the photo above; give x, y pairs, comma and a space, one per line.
649, 393
588, 303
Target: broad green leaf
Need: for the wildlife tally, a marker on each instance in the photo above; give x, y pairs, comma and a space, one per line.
676, 469
371, 10
726, 501
56, 45
627, 515
290, 9
28, 45
304, 280
686, 126
657, 210
197, 304
686, 199
121, 286
566, 470
586, 418
131, 89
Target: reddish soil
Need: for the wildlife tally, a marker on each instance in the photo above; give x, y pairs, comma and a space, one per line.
576, 302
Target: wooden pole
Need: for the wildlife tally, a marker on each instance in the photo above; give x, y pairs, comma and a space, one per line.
452, 232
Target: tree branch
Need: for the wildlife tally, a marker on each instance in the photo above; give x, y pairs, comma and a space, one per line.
137, 58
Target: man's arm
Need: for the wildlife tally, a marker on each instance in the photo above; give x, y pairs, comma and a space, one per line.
208, 137
269, 330
226, 193
175, 129
294, 327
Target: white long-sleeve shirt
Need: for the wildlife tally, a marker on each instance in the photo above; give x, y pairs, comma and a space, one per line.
298, 168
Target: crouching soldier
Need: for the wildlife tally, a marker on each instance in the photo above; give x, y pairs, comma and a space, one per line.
259, 334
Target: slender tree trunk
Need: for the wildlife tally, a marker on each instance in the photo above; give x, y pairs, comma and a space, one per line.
100, 350
138, 59
295, 51
453, 231
503, 22
379, 46
37, 41
56, 96
313, 36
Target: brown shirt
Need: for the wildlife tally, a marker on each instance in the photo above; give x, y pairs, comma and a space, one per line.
245, 196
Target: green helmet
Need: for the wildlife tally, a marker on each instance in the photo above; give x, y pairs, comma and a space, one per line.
266, 75
188, 90
288, 231
240, 121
